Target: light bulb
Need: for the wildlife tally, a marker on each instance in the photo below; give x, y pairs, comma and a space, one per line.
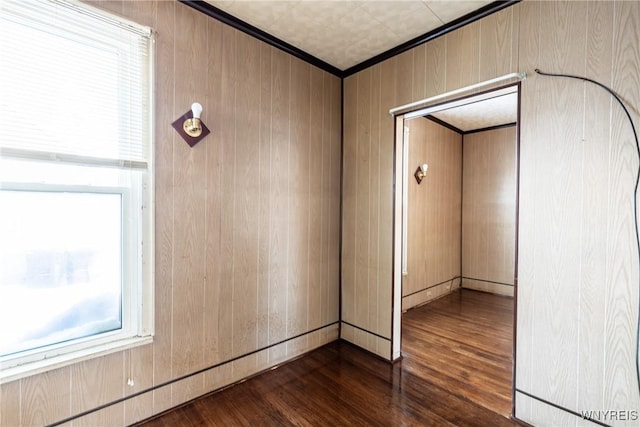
193, 126
196, 108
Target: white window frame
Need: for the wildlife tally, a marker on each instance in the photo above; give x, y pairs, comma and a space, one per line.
137, 246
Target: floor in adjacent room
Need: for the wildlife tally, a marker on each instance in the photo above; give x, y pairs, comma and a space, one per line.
455, 371
463, 342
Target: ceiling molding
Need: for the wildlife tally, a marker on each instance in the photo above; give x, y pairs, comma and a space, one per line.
249, 29
441, 31
261, 35
489, 128
444, 124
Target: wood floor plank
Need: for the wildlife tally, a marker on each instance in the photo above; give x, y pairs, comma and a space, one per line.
464, 342
456, 371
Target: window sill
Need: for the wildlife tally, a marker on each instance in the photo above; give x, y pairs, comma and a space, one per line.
40, 366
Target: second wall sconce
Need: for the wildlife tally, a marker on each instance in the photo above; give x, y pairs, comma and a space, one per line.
190, 126
421, 172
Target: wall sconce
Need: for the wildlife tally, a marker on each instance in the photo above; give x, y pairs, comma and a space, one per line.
421, 172
190, 127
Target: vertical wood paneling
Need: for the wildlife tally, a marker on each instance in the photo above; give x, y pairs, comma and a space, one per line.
113, 6
10, 404
214, 196
436, 67
247, 252
529, 50
48, 396
366, 253
189, 164
496, 39
602, 249
555, 120
389, 74
595, 178
404, 80
138, 408
452, 197
349, 187
373, 302
142, 12
463, 56
335, 195
164, 192
420, 247
514, 37
228, 147
166, 139
219, 377
316, 201
246, 194
325, 203
419, 83
280, 176
488, 210
557, 224
298, 278
265, 207
138, 367
576, 299
433, 218
94, 382
363, 123
621, 303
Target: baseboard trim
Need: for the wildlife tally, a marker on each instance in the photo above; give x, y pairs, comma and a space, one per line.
562, 408
199, 371
366, 330
433, 286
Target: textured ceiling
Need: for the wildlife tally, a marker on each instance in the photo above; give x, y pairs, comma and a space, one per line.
496, 111
484, 110
345, 33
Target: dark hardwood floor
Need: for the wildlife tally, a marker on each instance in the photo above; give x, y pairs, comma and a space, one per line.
463, 342
452, 374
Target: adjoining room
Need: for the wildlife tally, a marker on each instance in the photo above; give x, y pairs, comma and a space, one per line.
459, 240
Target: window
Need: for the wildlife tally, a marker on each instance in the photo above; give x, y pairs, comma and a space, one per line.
76, 184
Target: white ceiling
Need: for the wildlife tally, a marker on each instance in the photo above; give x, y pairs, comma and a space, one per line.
490, 112
345, 33
495, 108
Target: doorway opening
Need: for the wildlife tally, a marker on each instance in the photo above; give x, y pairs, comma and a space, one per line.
456, 243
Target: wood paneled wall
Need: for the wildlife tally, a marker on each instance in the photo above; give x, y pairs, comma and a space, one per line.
433, 216
489, 210
578, 261
247, 226
367, 177
479, 51
577, 266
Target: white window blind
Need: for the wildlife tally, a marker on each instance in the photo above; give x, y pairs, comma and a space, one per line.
83, 99
76, 185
